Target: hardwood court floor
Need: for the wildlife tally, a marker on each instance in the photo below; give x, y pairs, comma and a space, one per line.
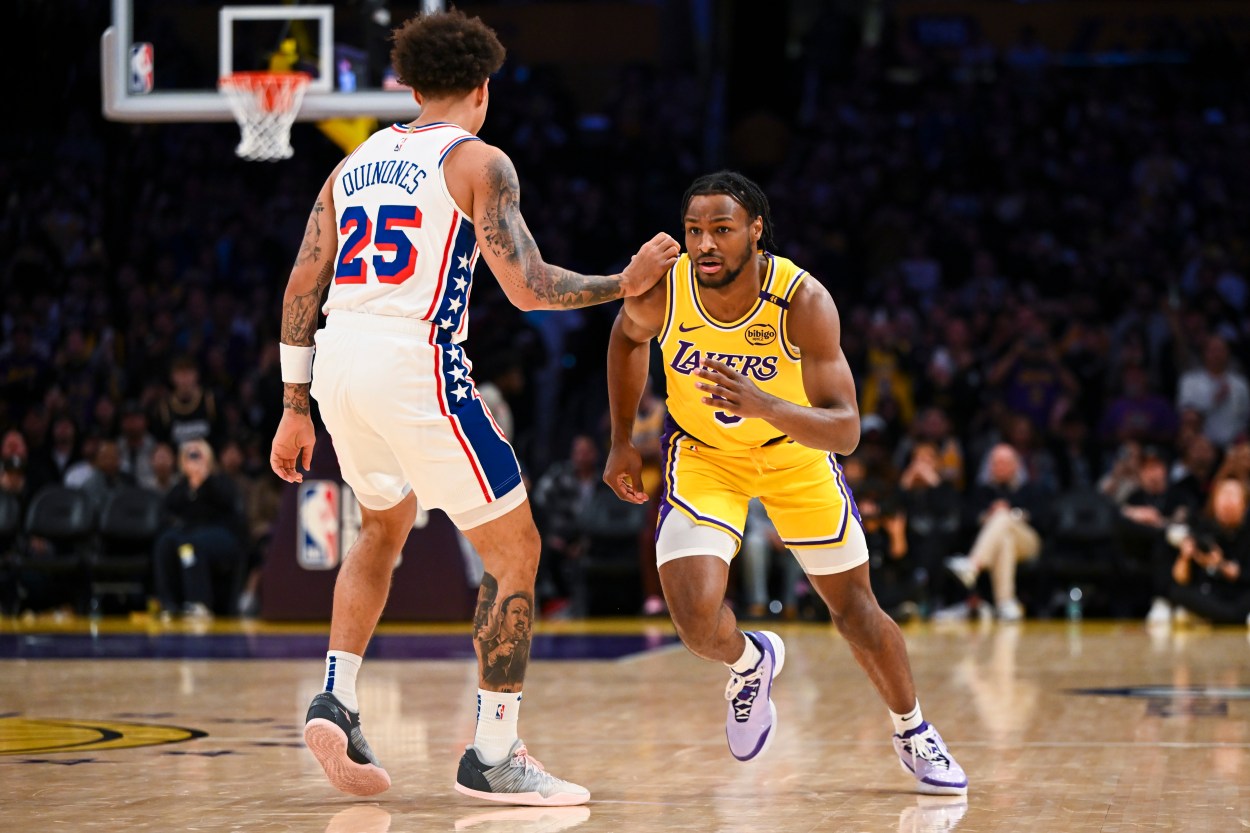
645, 734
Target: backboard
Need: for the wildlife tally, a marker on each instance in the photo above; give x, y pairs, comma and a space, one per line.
161, 59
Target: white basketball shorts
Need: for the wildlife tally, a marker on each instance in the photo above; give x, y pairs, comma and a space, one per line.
404, 416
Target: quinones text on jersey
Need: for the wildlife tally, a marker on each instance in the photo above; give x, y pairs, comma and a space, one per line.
400, 172
688, 360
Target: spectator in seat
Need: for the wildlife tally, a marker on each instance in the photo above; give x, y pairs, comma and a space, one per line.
14, 460
1212, 567
164, 470
562, 493
1139, 413
205, 538
932, 428
188, 412
894, 576
258, 497
1075, 454
1124, 475
105, 475
1007, 511
1147, 511
1032, 380
136, 443
931, 509
1193, 475
1236, 462
62, 452
1217, 392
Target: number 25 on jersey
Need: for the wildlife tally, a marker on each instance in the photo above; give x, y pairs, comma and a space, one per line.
396, 259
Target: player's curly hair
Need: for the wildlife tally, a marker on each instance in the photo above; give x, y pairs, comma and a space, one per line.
742, 191
445, 53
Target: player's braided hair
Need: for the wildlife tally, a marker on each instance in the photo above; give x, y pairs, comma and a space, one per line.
742, 191
445, 53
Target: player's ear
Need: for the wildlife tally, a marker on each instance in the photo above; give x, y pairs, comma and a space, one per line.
757, 230
482, 92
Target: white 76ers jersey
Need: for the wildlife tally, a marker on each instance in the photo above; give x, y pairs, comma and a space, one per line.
404, 248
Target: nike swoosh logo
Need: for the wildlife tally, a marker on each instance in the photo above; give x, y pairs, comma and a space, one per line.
684, 329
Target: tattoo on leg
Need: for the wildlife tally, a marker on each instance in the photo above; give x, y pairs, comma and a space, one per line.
502, 634
486, 595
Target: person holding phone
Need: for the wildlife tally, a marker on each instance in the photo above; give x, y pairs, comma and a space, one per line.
1211, 573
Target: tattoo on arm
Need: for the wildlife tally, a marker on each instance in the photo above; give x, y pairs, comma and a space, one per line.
299, 312
295, 397
509, 238
309, 250
502, 635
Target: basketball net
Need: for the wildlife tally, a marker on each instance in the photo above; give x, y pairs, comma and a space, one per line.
265, 104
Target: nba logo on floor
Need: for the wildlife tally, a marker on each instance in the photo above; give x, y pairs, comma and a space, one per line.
141, 68
318, 531
499, 711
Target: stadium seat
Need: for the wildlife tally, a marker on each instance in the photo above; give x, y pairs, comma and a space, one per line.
1080, 551
122, 565
53, 550
606, 579
10, 526
10, 522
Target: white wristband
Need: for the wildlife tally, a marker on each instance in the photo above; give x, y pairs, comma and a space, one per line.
296, 363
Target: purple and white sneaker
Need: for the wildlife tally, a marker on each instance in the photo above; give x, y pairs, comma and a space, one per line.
752, 715
923, 754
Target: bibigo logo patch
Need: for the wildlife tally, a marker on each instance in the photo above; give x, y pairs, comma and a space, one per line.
760, 334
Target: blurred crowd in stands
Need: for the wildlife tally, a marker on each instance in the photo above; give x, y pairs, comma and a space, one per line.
1041, 272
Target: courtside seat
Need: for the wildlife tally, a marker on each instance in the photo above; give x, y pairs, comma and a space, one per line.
10, 528
53, 550
606, 578
122, 565
1081, 549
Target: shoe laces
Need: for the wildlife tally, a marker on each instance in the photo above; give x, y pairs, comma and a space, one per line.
522, 758
740, 683
926, 746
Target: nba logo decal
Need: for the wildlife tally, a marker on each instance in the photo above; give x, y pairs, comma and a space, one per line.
499, 711
140, 68
318, 525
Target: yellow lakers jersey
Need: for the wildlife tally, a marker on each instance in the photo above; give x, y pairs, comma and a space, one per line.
755, 345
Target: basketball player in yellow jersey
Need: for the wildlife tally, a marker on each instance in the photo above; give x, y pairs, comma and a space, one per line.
760, 399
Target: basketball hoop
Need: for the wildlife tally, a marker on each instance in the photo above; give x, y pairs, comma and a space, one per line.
264, 105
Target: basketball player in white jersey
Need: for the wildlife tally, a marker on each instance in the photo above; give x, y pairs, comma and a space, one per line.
395, 233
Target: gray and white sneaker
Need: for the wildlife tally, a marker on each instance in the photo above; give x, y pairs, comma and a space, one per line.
519, 779
333, 735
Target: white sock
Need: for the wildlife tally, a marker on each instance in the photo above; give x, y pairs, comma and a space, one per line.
341, 668
750, 658
496, 725
907, 722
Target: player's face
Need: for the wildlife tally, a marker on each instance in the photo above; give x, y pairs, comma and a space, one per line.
721, 238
